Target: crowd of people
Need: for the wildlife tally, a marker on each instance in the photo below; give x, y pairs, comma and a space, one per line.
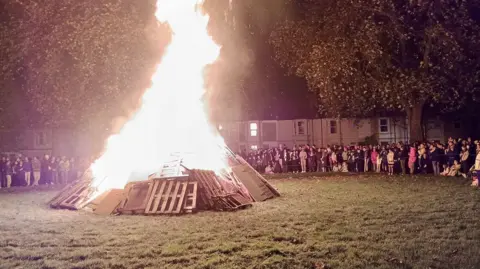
18, 170
459, 157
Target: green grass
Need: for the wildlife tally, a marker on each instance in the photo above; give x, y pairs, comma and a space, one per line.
337, 221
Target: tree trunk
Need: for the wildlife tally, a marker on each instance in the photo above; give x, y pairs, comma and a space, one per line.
415, 115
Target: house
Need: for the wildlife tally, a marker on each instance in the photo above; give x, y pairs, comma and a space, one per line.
252, 135
240, 135
40, 141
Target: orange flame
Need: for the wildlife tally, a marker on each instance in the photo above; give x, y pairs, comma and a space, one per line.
172, 117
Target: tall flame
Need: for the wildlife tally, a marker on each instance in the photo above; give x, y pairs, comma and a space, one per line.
172, 117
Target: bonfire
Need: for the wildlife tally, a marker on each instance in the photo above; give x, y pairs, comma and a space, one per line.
180, 161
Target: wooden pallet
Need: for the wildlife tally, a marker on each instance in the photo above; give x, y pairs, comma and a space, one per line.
78, 198
69, 189
136, 197
233, 201
171, 197
208, 188
70, 195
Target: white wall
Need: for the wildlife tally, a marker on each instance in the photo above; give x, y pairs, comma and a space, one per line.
317, 131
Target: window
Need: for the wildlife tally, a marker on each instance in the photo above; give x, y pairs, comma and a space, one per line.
253, 147
253, 129
383, 125
300, 127
333, 126
42, 139
269, 131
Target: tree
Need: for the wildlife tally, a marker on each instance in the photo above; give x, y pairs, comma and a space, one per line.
80, 61
362, 57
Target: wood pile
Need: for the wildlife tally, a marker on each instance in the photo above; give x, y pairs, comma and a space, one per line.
75, 195
200, 190
213, 196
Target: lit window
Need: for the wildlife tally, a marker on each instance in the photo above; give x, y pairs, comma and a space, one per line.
253, 147
333, 126
220, 127
300, 128
383, 125
253, 129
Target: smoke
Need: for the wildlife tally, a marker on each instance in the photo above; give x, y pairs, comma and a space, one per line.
242, 29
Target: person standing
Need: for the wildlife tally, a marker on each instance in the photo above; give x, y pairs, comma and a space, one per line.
8, 173
476, 168
2, 172
326, 160
54, 170
403, 158
311, 160
391, 161
46, 170
367, 156
435, 158
303, 160
285, 159
373, 158
20, 174
36, 168
319, 157
63, 168
27, 168
412, 159
296, 160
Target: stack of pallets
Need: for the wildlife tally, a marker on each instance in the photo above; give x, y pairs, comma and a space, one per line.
213, 196
200, 190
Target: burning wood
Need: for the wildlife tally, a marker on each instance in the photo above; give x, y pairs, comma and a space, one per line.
199, 190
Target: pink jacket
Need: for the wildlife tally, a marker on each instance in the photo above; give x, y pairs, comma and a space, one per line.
412, 156
374, 156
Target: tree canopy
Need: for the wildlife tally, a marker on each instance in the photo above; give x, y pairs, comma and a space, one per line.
362, 57
82, 62
78, 61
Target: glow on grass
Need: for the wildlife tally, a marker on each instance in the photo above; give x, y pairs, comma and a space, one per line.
172, 116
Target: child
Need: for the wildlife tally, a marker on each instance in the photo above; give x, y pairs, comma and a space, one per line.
391, 161
268, 170
455, 170
446, 170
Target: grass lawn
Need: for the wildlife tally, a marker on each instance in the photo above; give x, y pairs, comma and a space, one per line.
330, 222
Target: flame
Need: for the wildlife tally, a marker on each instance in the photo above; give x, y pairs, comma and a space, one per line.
172, 116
